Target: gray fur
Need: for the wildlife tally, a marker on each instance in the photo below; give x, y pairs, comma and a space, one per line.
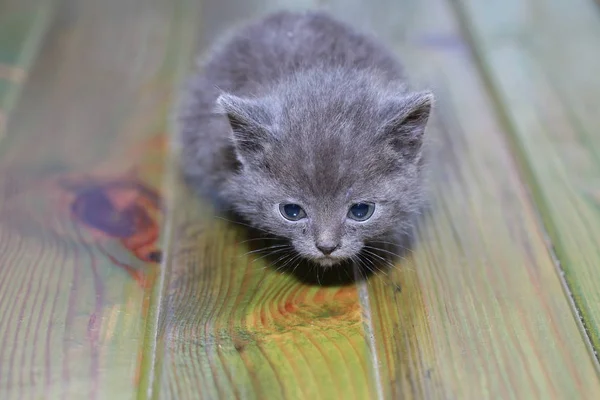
300, 108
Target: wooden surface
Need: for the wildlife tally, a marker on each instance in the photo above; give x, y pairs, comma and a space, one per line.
115, 282
485, 289
551, 99
23, 24
80, 169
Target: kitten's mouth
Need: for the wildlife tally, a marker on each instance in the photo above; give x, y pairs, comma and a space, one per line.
328, 261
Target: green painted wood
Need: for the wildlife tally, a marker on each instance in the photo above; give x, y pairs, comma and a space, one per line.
479, 308
237, 328
234, 326
23, 24
478, 311
542, 61
81, 201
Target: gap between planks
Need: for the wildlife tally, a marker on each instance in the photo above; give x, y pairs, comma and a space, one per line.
525, 170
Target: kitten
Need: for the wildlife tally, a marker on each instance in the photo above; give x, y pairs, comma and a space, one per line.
307, 129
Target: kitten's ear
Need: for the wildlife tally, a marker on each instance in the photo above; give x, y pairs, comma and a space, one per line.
405, 121
250, 124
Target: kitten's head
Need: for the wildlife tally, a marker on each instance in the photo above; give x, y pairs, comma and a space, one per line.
328, 161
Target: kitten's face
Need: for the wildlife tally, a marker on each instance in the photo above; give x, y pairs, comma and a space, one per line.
329, 176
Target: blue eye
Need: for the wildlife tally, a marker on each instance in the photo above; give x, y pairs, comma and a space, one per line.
292, 212
361, 211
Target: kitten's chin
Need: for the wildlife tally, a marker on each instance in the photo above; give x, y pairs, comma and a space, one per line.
327, 262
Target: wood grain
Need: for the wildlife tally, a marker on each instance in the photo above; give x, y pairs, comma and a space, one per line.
233, 327
542, 60
115, 281
80, 201
23, 24
479, 308
478, 311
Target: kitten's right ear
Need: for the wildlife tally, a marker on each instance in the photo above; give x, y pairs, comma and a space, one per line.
407, 117
250, 122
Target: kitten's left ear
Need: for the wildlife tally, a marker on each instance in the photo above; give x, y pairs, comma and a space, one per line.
405, 121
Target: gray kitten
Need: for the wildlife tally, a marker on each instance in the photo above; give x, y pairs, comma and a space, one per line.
307, 129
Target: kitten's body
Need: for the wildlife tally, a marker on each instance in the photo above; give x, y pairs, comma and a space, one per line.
299, 108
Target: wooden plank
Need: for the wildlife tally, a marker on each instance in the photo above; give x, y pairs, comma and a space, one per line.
477, 312
235, 328
542, 60
479, 309
23, 24
80, 200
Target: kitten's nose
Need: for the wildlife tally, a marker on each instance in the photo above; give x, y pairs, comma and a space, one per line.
328, 248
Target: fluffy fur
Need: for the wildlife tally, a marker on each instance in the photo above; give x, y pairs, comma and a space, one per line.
300, 108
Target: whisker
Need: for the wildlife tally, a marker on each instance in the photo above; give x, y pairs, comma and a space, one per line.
379, 257
297, 265
266, 248
285, 258
396, 267
383, 242
286, 255
260, 238
361, 264
375, 254
291, 260
347, 274
318, 280
358, 269
374, 264
392, 244
365, 258
269, 254
374, 268
385, 251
